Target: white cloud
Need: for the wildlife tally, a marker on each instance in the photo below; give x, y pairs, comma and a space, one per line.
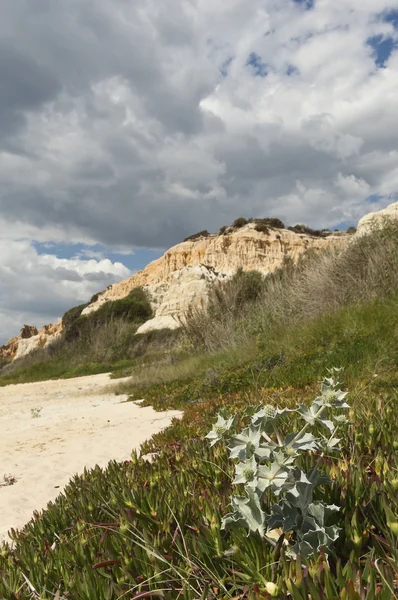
134, 124
38, 288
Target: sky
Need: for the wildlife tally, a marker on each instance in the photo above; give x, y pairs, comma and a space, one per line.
126, 126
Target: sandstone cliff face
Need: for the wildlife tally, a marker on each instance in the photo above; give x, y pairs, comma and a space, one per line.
10, 349
377, 219
30, 339
183, 276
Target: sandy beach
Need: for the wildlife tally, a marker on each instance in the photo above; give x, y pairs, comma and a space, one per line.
51, 430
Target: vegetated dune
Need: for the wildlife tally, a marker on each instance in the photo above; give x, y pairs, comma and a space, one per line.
52, 430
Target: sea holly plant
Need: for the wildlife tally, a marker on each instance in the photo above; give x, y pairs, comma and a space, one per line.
266, 461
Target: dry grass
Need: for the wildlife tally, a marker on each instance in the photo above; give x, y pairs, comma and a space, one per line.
101, 348
319, 284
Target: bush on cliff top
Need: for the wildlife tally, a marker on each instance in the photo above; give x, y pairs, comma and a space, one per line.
196, 236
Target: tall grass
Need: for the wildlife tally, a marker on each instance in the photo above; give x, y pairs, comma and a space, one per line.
319, 284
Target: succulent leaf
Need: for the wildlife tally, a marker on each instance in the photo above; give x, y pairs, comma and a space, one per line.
243, 445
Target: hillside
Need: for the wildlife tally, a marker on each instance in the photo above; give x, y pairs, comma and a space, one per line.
185, 274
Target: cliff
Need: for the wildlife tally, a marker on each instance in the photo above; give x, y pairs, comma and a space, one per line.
377, 219
29, 339
183, 276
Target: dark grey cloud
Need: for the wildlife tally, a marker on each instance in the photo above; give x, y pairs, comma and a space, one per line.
25, 86
128, 129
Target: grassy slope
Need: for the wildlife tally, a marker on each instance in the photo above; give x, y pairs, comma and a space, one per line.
116, 529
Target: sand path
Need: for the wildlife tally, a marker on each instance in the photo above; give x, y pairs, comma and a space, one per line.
51, 430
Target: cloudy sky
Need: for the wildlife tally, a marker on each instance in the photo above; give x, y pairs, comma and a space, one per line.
126, 125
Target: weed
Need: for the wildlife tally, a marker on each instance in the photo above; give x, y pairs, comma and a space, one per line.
36, 412
8, 480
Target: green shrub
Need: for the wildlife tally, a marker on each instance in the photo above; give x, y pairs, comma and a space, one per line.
351, 230
269, 222
240, 222
134, 308
72, 315
308, 231
198, 235
223, 230
261, 227
245, 287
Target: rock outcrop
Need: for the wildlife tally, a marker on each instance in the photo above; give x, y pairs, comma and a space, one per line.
30, 339
183, 276
10, 348
188, 287
375, 220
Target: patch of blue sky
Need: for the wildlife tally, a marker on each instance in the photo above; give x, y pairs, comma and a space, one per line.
378, 199
373, 198
292, 70
134, 260
224, 70
343, 225
391, 16
259, 67
382, 48
307, 4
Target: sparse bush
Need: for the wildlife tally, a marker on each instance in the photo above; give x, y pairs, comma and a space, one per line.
351, 230
223, 230
72, 315
134, 308
273, 222
94, 298
308, 231
240, 222
262, 227
227, 300
196, 236
35, 412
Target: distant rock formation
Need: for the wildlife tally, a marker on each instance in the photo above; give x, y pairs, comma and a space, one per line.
375, 220
30, 339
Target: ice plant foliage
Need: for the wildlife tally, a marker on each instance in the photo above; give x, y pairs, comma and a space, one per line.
268, 461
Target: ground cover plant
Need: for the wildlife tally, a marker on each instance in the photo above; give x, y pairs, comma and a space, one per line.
138, 527
161, 528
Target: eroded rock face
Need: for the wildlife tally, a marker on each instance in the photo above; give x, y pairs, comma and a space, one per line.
188, 287
375, 220
183, 276
10, 348
30, 339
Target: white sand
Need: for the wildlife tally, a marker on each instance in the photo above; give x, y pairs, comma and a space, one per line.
80, 424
